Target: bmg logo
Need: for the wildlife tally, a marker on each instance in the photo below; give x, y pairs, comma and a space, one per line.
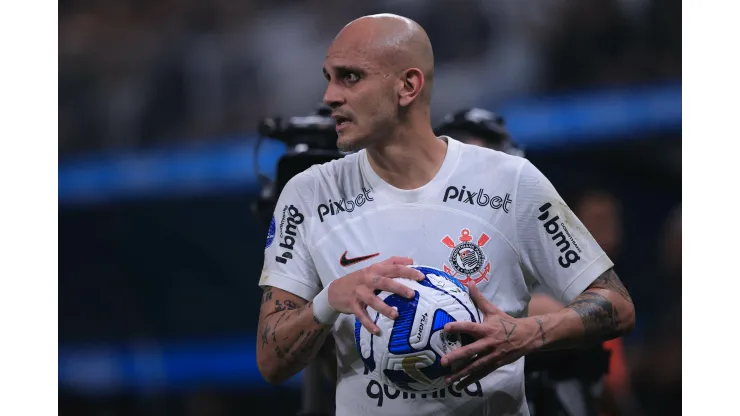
553, 229
292, 218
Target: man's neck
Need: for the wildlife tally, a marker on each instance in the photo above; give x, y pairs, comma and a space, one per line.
410, 160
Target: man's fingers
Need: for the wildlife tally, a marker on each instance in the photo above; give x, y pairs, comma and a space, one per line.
473, 377
481, 368
399, 260
374, 302
467, 352
361, 314
483, 364
476, 329
389, 285
399, 270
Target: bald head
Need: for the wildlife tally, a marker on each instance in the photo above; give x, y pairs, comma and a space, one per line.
394, 43
379, 73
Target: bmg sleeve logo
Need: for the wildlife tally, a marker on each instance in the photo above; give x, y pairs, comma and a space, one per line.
292, 218
552, 227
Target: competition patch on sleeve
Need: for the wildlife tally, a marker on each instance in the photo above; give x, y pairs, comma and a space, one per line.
270, 233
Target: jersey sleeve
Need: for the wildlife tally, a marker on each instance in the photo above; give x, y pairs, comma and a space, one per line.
555, 248
288, 264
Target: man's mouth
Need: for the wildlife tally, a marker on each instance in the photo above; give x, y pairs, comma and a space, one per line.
341, 121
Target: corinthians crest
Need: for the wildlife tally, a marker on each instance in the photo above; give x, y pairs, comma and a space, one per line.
467, 261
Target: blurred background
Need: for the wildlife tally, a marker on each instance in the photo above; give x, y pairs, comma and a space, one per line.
160, 252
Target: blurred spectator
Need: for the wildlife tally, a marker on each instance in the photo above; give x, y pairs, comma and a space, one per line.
601, 213
657, 362
134, 73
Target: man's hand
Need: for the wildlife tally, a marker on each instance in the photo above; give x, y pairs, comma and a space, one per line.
500, 340
602, 312
353, 293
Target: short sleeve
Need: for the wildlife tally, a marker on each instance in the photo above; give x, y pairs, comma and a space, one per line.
555, 248
288, 264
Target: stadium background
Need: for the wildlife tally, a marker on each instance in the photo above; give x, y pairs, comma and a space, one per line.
158, 103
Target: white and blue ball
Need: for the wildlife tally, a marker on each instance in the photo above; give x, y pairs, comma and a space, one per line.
407, 354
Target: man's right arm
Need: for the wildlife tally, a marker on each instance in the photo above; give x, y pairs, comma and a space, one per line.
290, 336
291, 328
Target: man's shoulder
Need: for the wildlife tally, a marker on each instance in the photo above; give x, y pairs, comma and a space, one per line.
490, 160
327, 173
336, 169
336, 176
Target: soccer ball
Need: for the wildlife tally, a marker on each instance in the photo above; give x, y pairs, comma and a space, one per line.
407, 354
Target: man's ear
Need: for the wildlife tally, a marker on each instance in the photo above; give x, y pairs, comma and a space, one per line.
412, 82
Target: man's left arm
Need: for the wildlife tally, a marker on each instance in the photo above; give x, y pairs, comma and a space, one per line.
602, 312
555, 248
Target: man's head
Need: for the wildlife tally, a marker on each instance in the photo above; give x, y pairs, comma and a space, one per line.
379, 69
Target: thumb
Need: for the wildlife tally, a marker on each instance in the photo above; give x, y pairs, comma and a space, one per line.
481, 302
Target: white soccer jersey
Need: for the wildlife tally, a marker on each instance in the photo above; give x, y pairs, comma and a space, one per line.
486, 217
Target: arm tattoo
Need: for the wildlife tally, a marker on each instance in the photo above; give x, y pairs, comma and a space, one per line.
542, 330
309, 341
509, 327
600, 318
289, 347
274, 328
267, 295
279, 353
294, 345
610, 281
265, 331
287, 305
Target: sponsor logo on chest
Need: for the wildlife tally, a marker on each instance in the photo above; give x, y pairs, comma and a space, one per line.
480, 198
333, 208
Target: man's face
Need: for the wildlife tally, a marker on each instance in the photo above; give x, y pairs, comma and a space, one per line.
361, 94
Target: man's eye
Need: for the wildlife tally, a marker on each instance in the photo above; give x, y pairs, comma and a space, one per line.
352, 77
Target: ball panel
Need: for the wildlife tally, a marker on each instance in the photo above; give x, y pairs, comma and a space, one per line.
421, 327
407, 372
402, 328
441, 278
364, 342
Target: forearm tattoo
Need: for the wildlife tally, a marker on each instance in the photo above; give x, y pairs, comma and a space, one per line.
542, 330
286, 305
295, 347
267, 295
610, 281
599, 316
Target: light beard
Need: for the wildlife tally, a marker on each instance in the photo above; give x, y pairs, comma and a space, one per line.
351, 145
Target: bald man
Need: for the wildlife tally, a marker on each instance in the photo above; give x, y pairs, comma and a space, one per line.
346, 230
